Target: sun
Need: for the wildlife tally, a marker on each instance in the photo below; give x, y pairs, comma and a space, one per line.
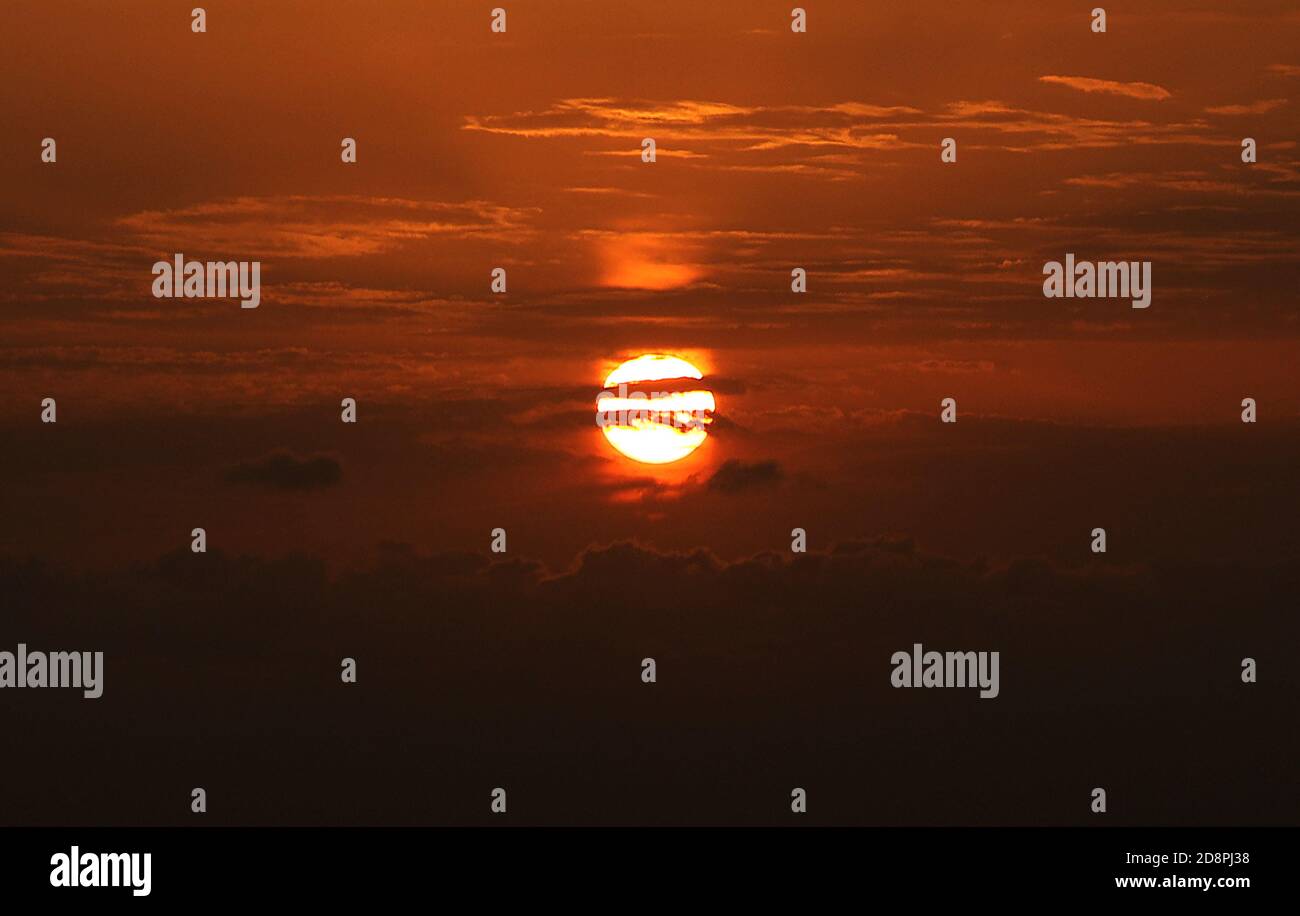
651, 410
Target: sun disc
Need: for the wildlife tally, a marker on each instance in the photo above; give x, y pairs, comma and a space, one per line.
649, 425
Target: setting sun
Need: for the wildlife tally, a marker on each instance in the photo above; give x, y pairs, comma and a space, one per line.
658, 426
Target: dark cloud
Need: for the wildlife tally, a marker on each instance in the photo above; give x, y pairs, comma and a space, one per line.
736, 476
282, 470
721, 384
773, 671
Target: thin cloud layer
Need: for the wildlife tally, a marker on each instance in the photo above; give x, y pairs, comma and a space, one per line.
321, 226
1136, 90
1260, 107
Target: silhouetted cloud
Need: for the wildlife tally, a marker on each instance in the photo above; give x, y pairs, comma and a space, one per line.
736, 476
471, 664
282, 470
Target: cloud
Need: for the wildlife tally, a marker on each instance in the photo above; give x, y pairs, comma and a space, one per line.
1260, 107
717, 129
619, 192
645, 261
1130, 90
944, 366
830, 142
324, 226
587, 117
127, 358
749, 652
282, 470
1188, 180
736, 476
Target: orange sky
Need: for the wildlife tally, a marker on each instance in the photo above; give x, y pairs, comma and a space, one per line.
476, 411
521, 150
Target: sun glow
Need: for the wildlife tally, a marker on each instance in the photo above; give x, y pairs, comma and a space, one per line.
650, 425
